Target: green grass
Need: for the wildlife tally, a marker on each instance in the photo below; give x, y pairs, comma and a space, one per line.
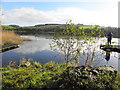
50, 75
35, 76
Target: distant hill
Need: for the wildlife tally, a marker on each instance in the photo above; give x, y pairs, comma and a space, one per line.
52, 28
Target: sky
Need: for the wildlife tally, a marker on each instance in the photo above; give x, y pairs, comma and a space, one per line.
28, 13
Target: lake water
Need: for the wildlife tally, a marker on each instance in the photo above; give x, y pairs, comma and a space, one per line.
39, 50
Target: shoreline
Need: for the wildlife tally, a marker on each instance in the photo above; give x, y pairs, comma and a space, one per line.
8, 47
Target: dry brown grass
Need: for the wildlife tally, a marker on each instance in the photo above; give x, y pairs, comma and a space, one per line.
9, 37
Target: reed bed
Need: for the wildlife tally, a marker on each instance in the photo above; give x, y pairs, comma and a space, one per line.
9, 37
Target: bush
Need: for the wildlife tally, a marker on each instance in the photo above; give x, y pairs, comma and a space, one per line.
88, 78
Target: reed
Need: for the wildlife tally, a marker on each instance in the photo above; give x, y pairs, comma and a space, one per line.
9, 37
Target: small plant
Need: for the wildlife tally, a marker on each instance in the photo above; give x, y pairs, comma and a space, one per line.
76, 41
50, 65
37, 64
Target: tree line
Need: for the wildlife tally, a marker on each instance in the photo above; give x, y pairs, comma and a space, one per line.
52, 28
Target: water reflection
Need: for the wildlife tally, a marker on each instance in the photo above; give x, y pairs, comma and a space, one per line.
107, 55
42, 56
39, 50
34, 46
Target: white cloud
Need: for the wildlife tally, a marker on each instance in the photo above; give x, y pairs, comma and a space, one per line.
34, 46
30, 16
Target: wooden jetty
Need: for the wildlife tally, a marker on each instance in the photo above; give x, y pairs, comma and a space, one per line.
112, 48
7, 47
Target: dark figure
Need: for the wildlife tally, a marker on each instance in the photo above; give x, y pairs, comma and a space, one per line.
109, 37
107, 55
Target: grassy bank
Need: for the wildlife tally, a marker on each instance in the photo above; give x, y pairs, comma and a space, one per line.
9, 37
33, 75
